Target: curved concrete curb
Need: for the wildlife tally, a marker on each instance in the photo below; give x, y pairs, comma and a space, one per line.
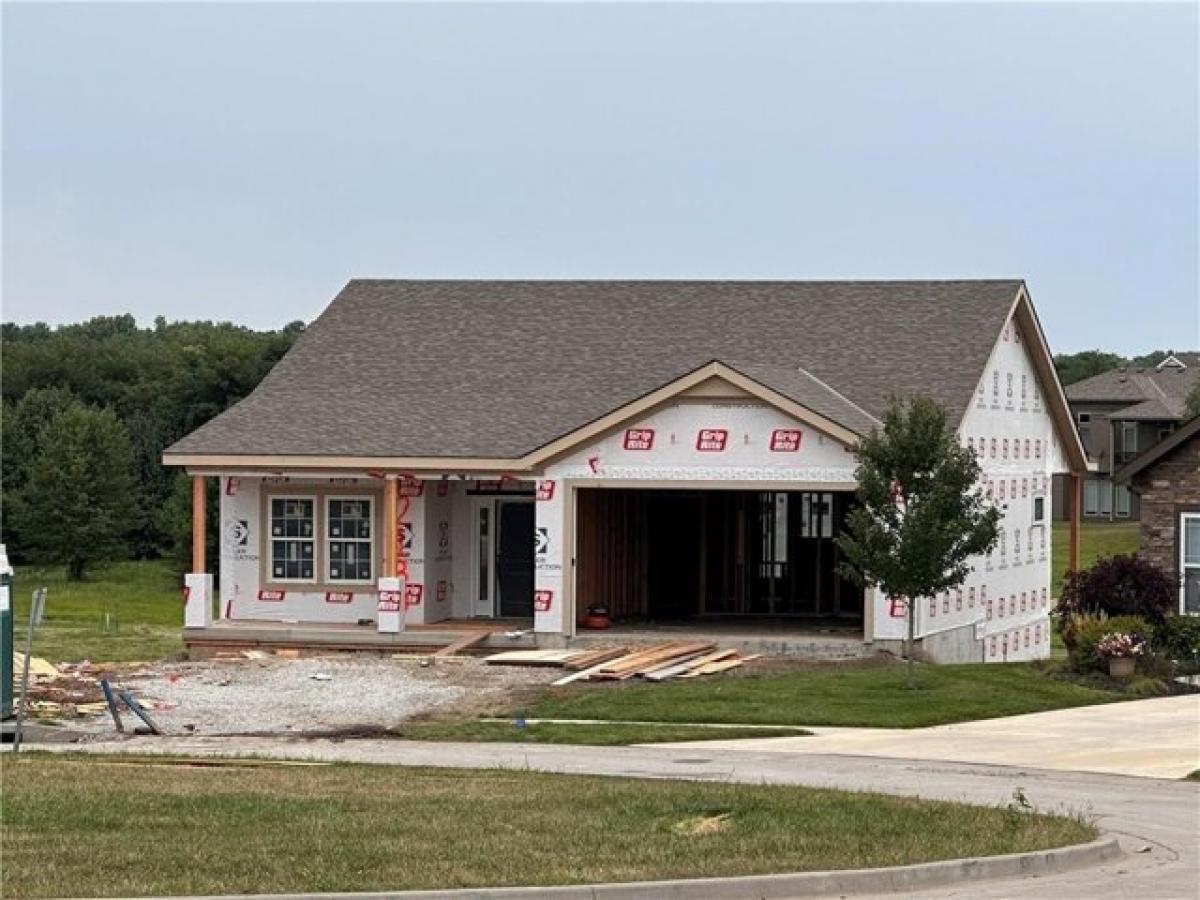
769, 887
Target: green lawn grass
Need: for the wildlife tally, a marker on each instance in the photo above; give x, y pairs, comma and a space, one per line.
1096, 539
845, 695
145, 595
602, 734
99, 827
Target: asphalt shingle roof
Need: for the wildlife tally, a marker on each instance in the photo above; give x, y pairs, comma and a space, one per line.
1150, 393
497, 369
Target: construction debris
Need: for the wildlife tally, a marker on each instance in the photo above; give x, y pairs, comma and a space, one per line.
660, 662
38, 667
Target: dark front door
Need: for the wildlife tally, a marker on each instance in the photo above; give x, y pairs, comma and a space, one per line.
514, 558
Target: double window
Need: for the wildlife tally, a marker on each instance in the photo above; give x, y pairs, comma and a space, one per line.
332, 536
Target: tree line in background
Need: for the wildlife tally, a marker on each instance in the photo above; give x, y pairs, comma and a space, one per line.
1074, 367
87, 412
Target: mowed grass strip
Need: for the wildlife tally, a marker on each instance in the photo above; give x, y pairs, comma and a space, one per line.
831, 695
80, 826
597, 735
145, 594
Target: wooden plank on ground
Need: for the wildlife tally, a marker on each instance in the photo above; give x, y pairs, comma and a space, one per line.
581, 675
673, 669
717, 667
531, 657
468, 639
589, 658
672, 653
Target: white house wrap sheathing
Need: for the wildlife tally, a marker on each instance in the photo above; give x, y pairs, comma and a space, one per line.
1002, 610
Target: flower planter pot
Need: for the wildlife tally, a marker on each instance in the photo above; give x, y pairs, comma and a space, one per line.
1120, 667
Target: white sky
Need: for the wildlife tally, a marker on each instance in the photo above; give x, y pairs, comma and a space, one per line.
241, 162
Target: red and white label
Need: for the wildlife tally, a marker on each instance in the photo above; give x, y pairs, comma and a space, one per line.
545, 490
712, 440
389, 601
412, 595
339, 596
543, 600
443, 591
638, 439
785, 440
271, 596
897, 607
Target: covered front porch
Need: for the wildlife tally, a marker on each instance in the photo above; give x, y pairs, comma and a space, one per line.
351, 551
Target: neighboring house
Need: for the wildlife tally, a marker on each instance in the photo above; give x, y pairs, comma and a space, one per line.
1167, 480
683, 452
1120, 414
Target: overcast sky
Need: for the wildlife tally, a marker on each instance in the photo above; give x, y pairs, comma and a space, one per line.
242, 162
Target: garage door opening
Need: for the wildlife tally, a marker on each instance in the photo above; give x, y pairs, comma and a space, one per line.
674, 555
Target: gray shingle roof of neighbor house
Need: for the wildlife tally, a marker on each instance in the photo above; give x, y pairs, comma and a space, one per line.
1149, 393
497, 369
1176, 439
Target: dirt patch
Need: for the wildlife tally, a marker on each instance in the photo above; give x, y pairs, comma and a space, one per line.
343, 695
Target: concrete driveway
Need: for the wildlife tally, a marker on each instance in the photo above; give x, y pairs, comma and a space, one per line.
1157, 738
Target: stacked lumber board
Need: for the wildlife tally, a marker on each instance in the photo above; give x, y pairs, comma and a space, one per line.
659, 662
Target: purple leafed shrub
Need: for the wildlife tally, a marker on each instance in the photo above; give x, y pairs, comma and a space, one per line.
1119, 586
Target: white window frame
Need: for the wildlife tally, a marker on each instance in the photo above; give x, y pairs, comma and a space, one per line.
1091, 497
1184, 517
327, 539
1122, 492
1128, 428
314, 538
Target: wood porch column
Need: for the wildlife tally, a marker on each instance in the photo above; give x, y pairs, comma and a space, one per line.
391, 493
1074, 507
199, 512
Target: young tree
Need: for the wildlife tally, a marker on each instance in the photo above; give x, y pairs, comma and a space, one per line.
76, 504
922, 513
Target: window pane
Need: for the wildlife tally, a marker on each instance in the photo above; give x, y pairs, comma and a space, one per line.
291, 521
1191, 541
348, 533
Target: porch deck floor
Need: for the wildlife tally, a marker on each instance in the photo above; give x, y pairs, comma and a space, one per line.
317, 636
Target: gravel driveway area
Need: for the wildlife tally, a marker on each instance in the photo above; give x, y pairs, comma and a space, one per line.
315, 694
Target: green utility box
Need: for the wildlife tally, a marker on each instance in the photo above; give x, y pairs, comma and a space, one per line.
7, 614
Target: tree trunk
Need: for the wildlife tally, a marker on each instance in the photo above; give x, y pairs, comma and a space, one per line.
911, 677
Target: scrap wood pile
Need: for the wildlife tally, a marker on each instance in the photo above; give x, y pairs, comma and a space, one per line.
57, 691
661, 662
